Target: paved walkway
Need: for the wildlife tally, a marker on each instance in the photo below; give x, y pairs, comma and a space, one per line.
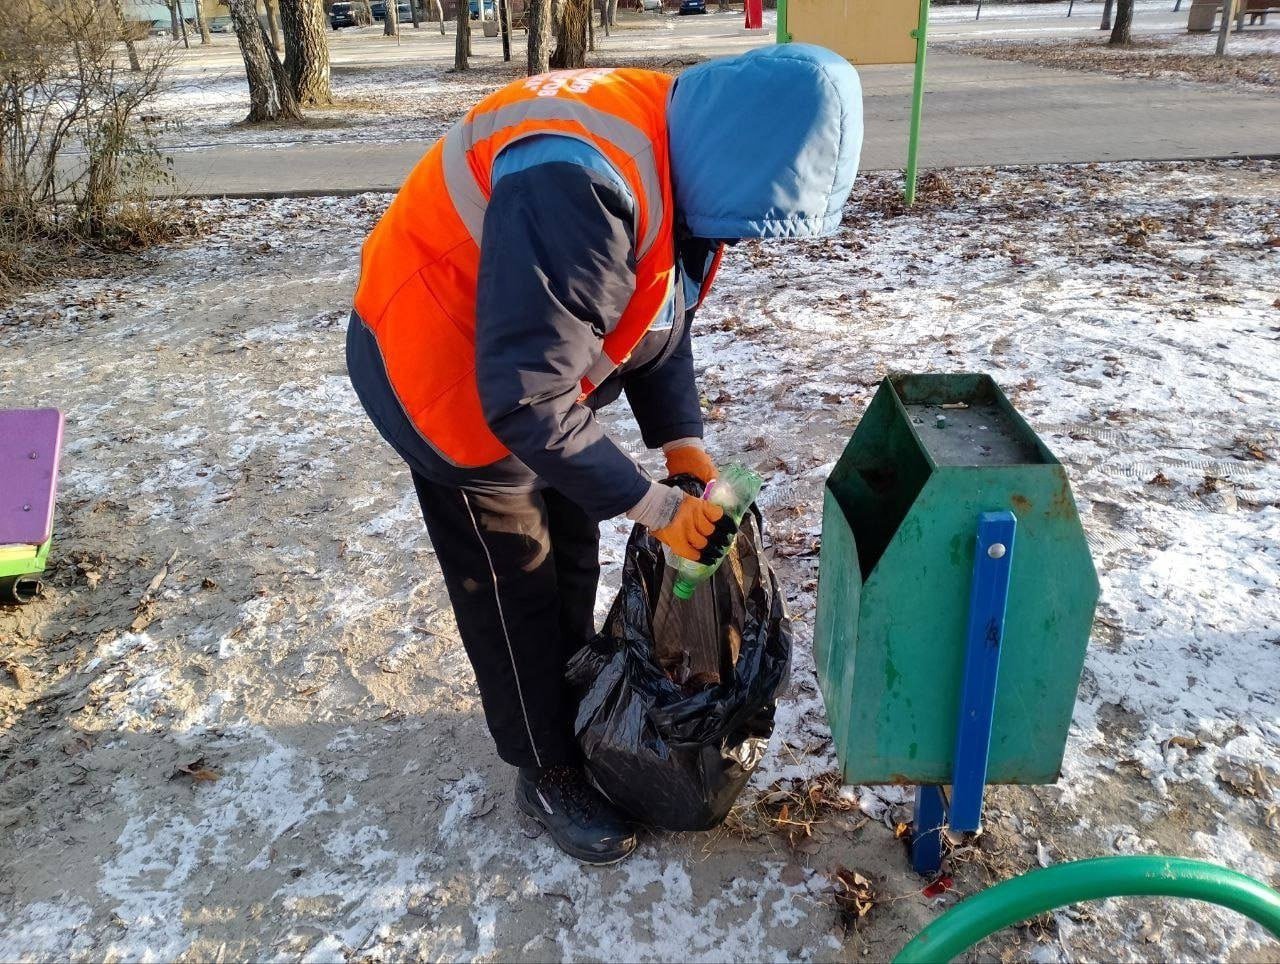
977, 112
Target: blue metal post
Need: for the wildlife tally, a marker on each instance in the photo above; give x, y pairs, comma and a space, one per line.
926, 830
987, 601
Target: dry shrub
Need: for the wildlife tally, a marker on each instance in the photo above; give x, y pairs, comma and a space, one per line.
77, 161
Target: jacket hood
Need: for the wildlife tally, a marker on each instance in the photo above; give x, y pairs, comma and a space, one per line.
765, 144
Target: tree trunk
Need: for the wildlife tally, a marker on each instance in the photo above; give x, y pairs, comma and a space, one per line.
182, 25
125, 31
413, 13
270, 98
391, 19
284, 89
1124, 23
364, 13
273, 24
604, 17
591, 27
306, 50
1106, 14
438, 9
613, 12
462, 43
173, 18
571, 35
264, 100
538, 18
202, 24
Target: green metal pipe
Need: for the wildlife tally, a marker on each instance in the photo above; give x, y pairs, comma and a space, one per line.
921, 33
784, 35
1023, 897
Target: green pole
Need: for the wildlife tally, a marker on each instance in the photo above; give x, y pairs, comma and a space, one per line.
917, 100
981, 915
784, 36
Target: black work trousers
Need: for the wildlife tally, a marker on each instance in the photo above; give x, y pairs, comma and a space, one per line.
521, 569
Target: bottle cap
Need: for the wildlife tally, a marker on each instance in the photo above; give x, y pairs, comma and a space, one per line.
682, 590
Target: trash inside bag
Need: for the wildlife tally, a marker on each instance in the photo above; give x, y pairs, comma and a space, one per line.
676, 697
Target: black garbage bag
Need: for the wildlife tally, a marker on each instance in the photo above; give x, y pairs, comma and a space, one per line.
675, 697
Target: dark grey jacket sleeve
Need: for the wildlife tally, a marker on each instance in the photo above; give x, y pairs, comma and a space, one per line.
556, 272
664, 397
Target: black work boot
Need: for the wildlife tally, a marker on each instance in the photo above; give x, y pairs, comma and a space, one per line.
581, 822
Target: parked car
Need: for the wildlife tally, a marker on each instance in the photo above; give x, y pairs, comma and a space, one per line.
221, 25
651, 6
403, 13
692, 6
342, 15
379, 9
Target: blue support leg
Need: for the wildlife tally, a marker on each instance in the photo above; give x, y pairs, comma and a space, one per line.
987, 601
926, 830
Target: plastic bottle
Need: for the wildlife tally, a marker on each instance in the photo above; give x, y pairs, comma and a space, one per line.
734, 491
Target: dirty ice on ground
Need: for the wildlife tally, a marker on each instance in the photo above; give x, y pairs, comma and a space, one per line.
239, 724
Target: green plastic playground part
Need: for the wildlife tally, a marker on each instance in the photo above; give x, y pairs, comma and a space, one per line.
981, 915
28, 564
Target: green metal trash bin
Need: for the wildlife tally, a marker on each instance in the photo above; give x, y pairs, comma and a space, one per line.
931, 454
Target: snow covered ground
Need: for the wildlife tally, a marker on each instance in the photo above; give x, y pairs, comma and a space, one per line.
239, 725
1252, 60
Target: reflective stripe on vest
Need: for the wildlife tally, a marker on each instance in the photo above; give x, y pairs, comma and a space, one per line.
470, 200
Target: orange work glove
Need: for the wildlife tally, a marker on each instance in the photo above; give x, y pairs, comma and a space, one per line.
700, 531
691, 460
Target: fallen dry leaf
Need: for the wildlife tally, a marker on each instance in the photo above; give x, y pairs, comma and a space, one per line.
1187, 743
20, 675
197, 771
854, 896
144, 614
161, 574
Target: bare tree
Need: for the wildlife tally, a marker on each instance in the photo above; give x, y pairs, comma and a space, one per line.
270, 95
413, 13
173, 18
391, 19
1124, 22
202, 24
538, 18
306, 51
612, 7
364, 13
462, 43
1106, 14
126, 31
437, 10
571, 35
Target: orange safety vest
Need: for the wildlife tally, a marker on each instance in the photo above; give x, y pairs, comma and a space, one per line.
417, 291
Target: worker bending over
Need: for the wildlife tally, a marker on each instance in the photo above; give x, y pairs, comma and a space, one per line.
544, 258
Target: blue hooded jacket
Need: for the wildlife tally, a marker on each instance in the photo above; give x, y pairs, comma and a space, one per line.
763, 145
